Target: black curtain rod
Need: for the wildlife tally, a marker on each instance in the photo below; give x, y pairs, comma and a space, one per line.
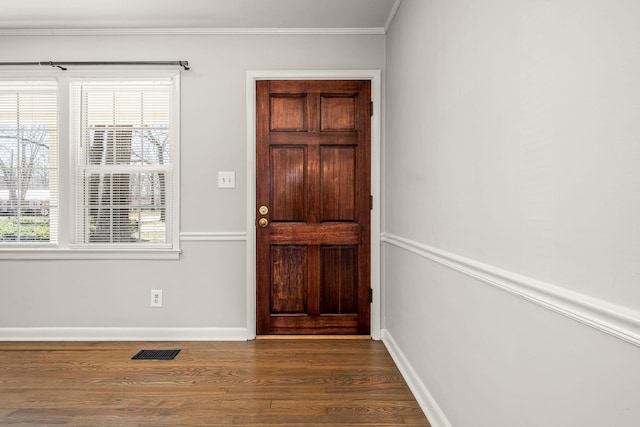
61, 64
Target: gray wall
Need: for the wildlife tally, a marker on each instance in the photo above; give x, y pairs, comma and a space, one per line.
512, 145
207, 287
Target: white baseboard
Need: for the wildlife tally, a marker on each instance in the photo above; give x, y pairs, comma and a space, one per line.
426, 401
123, 334
620, 322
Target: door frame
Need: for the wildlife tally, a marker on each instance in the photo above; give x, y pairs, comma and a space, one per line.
376, 96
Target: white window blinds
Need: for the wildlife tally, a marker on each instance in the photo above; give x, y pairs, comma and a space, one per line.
28, 162
123, 156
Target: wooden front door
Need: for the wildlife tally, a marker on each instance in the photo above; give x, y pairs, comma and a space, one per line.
313, 207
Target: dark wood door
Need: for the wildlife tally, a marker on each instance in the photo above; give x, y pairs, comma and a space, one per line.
313, 207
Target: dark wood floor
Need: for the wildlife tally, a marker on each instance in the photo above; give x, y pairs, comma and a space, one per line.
262, 382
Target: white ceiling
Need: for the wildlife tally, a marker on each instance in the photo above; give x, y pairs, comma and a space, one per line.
357, 15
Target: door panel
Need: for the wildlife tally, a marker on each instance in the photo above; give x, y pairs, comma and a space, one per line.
313, 185
288, 279
288, 113
288, 200
338, 113
338, 169
339, 282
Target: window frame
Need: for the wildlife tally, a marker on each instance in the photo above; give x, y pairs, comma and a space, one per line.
50, 87
64, 248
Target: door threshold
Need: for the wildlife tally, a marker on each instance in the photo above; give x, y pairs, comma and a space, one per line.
313, 337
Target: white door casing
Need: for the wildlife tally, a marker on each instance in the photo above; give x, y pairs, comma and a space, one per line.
375, 77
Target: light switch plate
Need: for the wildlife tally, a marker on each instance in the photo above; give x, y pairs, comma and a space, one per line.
226, 179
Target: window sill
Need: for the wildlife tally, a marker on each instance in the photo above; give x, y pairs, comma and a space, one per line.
29, 254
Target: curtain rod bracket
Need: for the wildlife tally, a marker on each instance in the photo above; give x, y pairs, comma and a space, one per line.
57, 66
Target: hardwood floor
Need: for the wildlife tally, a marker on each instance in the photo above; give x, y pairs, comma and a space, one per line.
263, 382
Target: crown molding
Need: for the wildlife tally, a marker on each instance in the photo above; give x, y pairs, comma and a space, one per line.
392, 15
187, 31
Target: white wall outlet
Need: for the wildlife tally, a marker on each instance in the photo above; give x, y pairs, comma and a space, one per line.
156, 297
226, 179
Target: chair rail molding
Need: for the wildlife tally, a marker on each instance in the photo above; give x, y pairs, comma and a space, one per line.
618, 321
213, 236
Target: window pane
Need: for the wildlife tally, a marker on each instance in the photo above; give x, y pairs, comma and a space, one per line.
28, 133
111, 145
126, 208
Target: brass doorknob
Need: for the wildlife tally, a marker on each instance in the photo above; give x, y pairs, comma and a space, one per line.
263, 222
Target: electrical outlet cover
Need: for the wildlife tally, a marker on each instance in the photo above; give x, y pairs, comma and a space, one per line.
156, 298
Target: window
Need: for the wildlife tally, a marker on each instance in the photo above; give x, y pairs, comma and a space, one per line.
114, 168
28, 151
123, 170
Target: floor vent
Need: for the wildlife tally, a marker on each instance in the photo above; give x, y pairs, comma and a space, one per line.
155, 355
